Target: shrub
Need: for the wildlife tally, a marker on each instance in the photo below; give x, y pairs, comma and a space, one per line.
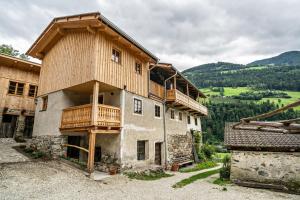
208, 150
225, 170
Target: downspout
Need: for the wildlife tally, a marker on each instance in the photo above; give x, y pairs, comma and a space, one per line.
164, 118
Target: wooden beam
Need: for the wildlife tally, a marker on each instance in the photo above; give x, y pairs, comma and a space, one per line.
91, 155
90, 29
77, 147
60, 31
95, 103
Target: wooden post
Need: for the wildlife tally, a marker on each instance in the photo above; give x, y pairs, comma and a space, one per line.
95, 103
92, 141
187, 90
175, 82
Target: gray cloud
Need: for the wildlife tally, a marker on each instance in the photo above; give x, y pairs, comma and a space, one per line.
186, 33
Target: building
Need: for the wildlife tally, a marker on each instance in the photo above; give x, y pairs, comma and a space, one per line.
18, 89
108, 100
265, 154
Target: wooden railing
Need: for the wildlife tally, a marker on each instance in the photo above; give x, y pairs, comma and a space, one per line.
179, 97
81, 116
157, 90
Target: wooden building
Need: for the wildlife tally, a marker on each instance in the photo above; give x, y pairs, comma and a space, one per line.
18, 89
103, 93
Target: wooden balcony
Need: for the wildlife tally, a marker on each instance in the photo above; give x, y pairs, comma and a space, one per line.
157, 90
79, 118
177, 97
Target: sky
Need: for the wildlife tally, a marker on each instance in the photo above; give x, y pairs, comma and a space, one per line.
186, 33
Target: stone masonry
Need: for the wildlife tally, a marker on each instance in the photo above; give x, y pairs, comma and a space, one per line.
51, 145
276, 168
179, 147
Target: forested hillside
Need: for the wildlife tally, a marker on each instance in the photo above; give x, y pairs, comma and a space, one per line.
236, 91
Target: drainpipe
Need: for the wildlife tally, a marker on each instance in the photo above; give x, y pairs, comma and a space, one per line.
164, 118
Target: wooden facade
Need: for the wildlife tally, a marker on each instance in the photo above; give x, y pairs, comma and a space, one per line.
19, 71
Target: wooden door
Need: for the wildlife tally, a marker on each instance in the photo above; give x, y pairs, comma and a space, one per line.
158, 153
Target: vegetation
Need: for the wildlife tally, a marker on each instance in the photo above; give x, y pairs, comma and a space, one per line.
147, 176
221, 182
218, 157
9, 50
225, 170
199, 166
194, 178
35, 154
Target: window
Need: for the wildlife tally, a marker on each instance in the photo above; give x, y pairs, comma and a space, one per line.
141, 150
116, 56
157, 111
172, 114
196, 121
189, 119
180, 116
15, 88
32, 91
137, 106
45, 103
138, 68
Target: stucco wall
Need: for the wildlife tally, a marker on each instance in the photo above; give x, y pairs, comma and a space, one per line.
140, 127
279, 168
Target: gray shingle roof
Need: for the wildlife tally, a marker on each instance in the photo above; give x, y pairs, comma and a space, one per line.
256, 139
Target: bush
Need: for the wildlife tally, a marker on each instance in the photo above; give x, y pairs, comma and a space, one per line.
225, 170
208, 150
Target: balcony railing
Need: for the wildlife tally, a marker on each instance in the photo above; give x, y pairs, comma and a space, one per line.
81, 116
157, 90
179, 97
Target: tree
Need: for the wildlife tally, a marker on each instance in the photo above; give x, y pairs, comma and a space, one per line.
9, 50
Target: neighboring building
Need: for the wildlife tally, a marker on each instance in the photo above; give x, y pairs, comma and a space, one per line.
103, 93
264, 158
18, 89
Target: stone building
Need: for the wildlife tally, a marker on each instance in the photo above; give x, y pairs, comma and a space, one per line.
18, 89
264, 158
107, 99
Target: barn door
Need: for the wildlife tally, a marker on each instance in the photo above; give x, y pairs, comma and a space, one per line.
158, 153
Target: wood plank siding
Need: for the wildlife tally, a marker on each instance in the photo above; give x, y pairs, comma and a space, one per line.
70, 62
80, 57
17, 102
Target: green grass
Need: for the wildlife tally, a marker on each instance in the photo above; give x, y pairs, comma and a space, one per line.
229, 91
147, 176
295, 96
194, 178
218, 157
199, 166
221, 182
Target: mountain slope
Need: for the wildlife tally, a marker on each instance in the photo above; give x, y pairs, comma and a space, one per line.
286, 58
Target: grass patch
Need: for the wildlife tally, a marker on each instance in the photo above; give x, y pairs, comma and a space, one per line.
199, 166
147, 176
221, 182
194, 178
218, 157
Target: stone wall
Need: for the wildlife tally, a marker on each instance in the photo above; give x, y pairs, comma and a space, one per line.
179, 146
275, 168
51, 145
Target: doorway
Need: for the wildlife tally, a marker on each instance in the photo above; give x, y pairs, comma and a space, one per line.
158, 153
8, 126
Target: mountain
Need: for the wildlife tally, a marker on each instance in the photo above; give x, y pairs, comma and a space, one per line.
285, 59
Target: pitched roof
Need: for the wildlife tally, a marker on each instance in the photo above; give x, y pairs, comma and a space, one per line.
89, 21
271, 140
19, 63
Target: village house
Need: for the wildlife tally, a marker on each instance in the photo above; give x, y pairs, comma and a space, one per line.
18, 88
265, 154
108, 100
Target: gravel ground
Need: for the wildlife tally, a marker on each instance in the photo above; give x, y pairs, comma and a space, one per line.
8, 154
56, 180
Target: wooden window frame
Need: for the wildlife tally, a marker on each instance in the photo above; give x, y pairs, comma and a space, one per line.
136, 109
16, 88
180, 116
140, 70
44, 103
189, 119
141, 150
35, 90
172, 116
113, 56
155, 111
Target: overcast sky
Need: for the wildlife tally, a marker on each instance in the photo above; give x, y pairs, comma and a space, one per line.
183, 32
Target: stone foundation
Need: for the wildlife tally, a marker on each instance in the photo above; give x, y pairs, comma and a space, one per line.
179, 147
51, 145
274, 168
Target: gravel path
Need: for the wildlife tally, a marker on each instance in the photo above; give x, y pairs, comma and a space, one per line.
8, 154
55, 180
